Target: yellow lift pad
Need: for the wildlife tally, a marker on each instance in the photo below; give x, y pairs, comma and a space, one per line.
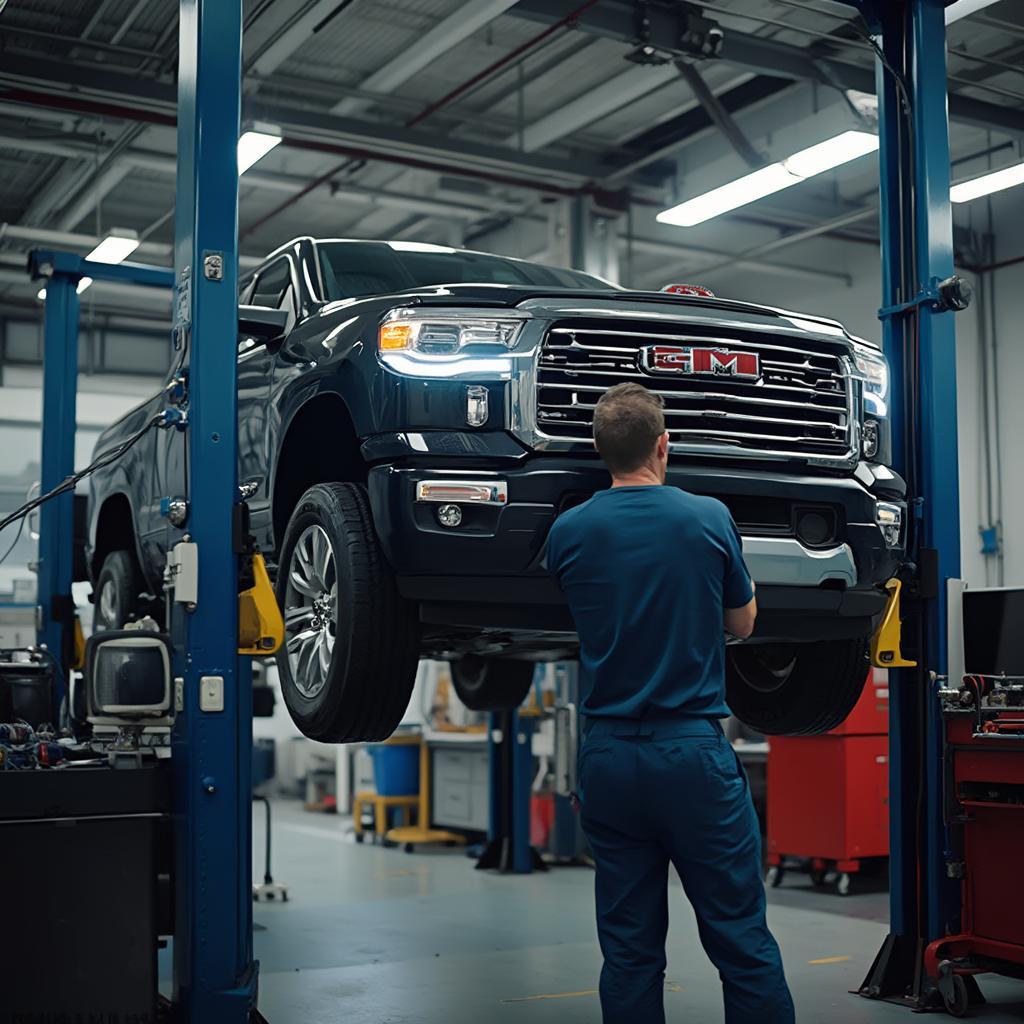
260, 624
886, 643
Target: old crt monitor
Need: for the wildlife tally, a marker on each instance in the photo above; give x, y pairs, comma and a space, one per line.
994, 631
128, 678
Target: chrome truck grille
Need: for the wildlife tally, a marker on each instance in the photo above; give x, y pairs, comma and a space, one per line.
798, 405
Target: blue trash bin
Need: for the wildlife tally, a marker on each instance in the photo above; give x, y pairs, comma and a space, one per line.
396, 769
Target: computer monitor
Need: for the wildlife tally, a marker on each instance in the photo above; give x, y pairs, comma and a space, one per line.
128, 678
993, 621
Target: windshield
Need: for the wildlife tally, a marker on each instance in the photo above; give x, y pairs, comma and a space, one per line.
354, 269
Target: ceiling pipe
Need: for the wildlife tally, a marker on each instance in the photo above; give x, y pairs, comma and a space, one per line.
680, 251
791, 239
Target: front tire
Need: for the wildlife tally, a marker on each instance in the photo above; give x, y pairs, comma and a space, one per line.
117, 592
491, 684
795, 689
348, 663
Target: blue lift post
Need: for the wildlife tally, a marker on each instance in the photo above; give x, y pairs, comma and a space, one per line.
919, 338
61, 272
214, 972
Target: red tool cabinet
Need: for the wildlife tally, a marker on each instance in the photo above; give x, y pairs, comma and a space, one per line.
985, 766
828, 795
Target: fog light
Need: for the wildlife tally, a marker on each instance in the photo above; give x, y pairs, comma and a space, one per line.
476, 405
813, 528
869, 439
449, 515
890, 521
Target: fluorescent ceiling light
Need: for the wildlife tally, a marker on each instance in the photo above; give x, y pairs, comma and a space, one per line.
115, 248
83, 283
253, 146
774, 178
987, 184
954, 12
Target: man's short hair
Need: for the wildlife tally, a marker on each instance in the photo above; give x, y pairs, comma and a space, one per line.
628, 420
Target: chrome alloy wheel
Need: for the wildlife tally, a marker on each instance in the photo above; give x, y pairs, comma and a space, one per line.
311, 610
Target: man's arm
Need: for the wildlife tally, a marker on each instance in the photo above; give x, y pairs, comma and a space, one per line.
739, 622
740, 605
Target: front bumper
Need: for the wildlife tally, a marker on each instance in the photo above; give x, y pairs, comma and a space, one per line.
489, 571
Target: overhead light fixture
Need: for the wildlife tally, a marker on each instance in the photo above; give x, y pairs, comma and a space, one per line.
954, 12
774, 178
83, 283
255, 144
987, 184
115, 248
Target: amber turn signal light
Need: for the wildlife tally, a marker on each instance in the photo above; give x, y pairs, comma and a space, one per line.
394, 336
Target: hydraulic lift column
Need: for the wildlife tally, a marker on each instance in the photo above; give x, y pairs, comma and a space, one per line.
56, 523
917, 256
214, 971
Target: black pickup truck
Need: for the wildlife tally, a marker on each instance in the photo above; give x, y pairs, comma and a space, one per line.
413, 419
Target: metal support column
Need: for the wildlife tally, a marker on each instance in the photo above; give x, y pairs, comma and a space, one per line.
214, 971
60, 273
56, 533
510, 754
917, 253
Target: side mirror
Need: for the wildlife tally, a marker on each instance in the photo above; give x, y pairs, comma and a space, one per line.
261, 322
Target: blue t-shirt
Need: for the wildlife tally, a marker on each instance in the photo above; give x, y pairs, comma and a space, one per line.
647, 573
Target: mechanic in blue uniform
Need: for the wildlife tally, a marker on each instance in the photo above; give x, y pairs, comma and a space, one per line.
654, 578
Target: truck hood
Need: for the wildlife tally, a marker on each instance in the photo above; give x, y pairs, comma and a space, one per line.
636, 305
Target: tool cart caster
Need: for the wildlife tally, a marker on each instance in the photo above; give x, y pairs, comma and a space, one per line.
958, 1001
774, 875
844, 883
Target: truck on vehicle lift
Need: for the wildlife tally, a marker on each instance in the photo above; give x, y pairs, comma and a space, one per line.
413, 418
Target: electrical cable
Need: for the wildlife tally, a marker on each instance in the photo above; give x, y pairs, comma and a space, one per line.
14, 543
69, 483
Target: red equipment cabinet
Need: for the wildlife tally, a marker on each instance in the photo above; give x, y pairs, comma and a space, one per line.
828, 796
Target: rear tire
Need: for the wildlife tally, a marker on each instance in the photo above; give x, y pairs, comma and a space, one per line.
491, 684
795, 689
348, 663
117, 592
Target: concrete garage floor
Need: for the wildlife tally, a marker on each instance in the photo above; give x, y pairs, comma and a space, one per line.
378, 936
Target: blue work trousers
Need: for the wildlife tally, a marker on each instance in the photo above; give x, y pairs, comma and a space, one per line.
672, 791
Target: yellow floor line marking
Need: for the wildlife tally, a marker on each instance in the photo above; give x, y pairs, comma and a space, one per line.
670, 986
555, 995
830, 960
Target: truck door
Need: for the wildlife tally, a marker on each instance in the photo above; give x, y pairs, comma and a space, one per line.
274, 286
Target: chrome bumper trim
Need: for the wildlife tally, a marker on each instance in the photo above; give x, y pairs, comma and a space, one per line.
463, 492
785, 561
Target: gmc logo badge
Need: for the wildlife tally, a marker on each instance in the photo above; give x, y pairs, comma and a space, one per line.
679, 361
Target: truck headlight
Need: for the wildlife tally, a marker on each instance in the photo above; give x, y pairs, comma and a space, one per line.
449, 332
873, 370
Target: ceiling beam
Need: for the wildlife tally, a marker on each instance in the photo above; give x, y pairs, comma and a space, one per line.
612, 95
470, 16
616, 19
283, 44
56, 85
